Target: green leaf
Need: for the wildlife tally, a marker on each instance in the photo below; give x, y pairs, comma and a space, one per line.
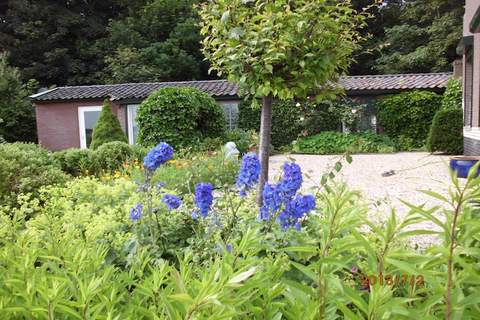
243, 276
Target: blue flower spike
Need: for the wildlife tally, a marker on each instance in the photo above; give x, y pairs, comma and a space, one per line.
249, 173
204, 198
158, 156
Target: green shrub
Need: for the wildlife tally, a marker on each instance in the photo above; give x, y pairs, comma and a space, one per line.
245, 140
112, 155
452, 98
407, 117
76, 162
139, 152
179, 116
337, 142
107, 129
291, 119
25, 168
446, 132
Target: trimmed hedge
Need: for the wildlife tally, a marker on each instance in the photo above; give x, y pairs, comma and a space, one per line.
407, 117
446, 132
337, 143
179, 116
107, 129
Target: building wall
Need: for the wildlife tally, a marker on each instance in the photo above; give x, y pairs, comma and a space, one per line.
58, 124
471, 84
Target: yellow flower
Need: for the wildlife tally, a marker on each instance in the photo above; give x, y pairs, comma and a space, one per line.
117, 174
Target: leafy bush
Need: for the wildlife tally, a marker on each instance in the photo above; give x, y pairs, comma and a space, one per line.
337, 142
452, 97
407, 117
179, 116
291, 119
25, 168
111, 156
76, 162
446, 132
183, 174
108, 128
245, 140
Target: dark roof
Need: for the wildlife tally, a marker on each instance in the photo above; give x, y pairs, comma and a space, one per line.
225, 89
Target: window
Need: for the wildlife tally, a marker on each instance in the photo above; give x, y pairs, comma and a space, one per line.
87, 119
468, 90
230, 110
132, 123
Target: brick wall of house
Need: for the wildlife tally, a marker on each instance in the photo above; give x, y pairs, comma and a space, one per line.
58, 126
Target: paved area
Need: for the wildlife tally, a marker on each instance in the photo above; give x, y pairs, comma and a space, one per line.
413, 171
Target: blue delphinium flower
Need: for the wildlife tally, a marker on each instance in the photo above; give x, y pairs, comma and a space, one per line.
295, 210
204, 198
158, 156
172, 201
271, 201
249, 173
292, 180
136, 212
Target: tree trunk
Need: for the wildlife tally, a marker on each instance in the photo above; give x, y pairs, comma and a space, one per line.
264, 148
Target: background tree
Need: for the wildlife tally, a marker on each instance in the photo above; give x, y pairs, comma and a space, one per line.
108, 128
279, 50
16, 110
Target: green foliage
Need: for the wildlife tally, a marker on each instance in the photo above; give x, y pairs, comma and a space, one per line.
183, 174
273, 48
452, 97
111, 155
16, 111
338, 143
245, 140
88, 259
291, 119
424, 39
107, 129
76, 162
179, 116
24, 168
406, 117
446, 132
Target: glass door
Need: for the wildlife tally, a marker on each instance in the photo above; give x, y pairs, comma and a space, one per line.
87, 117
132, 123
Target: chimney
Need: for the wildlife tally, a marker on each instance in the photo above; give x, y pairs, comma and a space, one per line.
458, 68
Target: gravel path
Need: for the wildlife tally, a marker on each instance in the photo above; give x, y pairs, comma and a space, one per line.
413, 171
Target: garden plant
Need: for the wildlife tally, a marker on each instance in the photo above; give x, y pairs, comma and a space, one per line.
124, 248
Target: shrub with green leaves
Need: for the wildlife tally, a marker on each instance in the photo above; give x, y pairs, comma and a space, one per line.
77, 162
446, 132
406, 117
337, 143
179, 116
107, 129
25, 168
452, 97
111, 155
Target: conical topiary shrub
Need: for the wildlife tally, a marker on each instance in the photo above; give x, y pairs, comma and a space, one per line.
108, 128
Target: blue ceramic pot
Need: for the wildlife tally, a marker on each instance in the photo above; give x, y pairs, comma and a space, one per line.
463, 164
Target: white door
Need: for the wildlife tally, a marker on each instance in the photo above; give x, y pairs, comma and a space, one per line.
132, 123
87, 119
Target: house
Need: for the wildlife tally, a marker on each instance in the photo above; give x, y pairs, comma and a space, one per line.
66, 116
470, 49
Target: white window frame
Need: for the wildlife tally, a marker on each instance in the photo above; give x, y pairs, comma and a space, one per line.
130, 120
81, 123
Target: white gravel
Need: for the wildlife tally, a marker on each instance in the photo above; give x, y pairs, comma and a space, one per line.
413, 171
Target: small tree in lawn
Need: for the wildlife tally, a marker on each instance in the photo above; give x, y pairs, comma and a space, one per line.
280, 49
108, 128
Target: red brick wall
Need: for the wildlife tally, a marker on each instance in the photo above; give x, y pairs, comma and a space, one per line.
57, 122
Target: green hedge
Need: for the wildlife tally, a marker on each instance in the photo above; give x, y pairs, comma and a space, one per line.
337, 142
446, 132
179, 116
407, 117
291, 119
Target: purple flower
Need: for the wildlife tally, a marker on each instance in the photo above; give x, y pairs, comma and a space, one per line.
295, 210
229, 247
136, 212
204, 198
292, 180
271, 201
158, 156
249, 173
173, 202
